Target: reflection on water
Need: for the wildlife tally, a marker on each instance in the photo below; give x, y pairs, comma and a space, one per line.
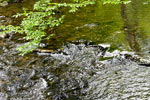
137, 33
124, 26
130, 26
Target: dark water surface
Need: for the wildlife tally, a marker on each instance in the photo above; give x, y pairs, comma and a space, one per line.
122, 26
102, 69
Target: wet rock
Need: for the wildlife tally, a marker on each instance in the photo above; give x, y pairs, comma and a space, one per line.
3, 4
6, 35
42, 45
80, 63
3, 96
19, 85
2, 35
44, 51
76, 72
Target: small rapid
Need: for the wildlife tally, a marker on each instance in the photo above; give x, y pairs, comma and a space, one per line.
76, 72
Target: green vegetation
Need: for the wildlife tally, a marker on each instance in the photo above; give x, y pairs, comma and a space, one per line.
37, 25
116, 1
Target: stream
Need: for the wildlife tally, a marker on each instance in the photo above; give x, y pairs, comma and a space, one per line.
99, 53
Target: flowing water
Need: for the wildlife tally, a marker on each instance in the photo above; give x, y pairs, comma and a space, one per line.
99, 53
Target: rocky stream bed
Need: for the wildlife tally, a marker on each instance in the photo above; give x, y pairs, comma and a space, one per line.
79, 71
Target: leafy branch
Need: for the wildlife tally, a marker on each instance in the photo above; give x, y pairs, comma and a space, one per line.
43, 17
35, 23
